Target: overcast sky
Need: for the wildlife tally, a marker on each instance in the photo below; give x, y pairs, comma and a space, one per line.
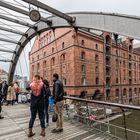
130, 7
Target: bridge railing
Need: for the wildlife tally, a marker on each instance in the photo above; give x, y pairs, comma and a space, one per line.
113, 118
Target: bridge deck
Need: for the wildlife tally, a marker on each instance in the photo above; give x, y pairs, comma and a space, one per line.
15, 125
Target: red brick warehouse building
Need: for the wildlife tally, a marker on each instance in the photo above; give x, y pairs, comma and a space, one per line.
87, 61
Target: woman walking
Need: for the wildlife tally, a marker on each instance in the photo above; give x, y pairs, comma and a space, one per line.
11, 96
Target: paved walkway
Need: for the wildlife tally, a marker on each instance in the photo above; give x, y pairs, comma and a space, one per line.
15, 125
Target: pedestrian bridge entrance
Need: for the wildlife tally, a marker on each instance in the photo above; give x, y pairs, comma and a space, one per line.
18, 30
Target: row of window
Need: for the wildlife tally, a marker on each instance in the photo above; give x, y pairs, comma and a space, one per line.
125, 92
45, 40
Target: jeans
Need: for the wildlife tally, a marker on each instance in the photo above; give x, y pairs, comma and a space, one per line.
17, 97
46, 112
34, 110
58, 110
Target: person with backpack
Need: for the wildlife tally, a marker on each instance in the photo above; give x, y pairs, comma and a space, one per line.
37, 105
47, 94
58, 93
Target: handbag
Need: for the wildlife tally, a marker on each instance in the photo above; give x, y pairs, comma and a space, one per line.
54, 117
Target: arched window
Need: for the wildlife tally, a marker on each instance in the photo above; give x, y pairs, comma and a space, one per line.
130, 48
116, 52
44, 54
117, 80
135, 91
46, 37
33, 59
45, 40
63, 58
117, 92
38, 68
50, 35
97, 80
124, 63
38, 57
96, 69
64, 81
124, 55
124, 92
96, 45
83, 55
52, 50
44, 64
63, 45
96, 58
83, 43
134, 65
83, 81
83, 68
108, 39
53, 61
117, 62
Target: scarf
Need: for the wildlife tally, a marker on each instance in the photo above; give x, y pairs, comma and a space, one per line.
36, 87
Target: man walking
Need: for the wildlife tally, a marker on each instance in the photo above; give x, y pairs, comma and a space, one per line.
58, 93
4, 90
37, 105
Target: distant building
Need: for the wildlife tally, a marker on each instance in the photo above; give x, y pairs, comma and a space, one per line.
3, 75
22, 81
87, 61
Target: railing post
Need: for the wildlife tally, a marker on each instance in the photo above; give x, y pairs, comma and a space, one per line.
124, 121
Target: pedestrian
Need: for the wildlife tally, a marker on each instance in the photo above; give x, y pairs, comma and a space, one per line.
11, 96
4, 90
16, 88
58, 93
47, 94
1, 100
37, 105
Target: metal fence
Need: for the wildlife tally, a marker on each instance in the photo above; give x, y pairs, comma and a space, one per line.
101, 115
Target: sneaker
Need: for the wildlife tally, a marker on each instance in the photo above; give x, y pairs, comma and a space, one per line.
60, 130
57, 130
54, 131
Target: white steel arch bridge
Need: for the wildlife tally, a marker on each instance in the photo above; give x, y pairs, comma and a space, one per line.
110, 22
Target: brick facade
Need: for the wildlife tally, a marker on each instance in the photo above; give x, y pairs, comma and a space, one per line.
86, 61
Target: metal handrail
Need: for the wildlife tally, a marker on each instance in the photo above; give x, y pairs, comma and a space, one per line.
110, 104
104, 103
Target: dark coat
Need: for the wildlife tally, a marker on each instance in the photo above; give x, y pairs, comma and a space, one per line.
58, 91
47, 93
